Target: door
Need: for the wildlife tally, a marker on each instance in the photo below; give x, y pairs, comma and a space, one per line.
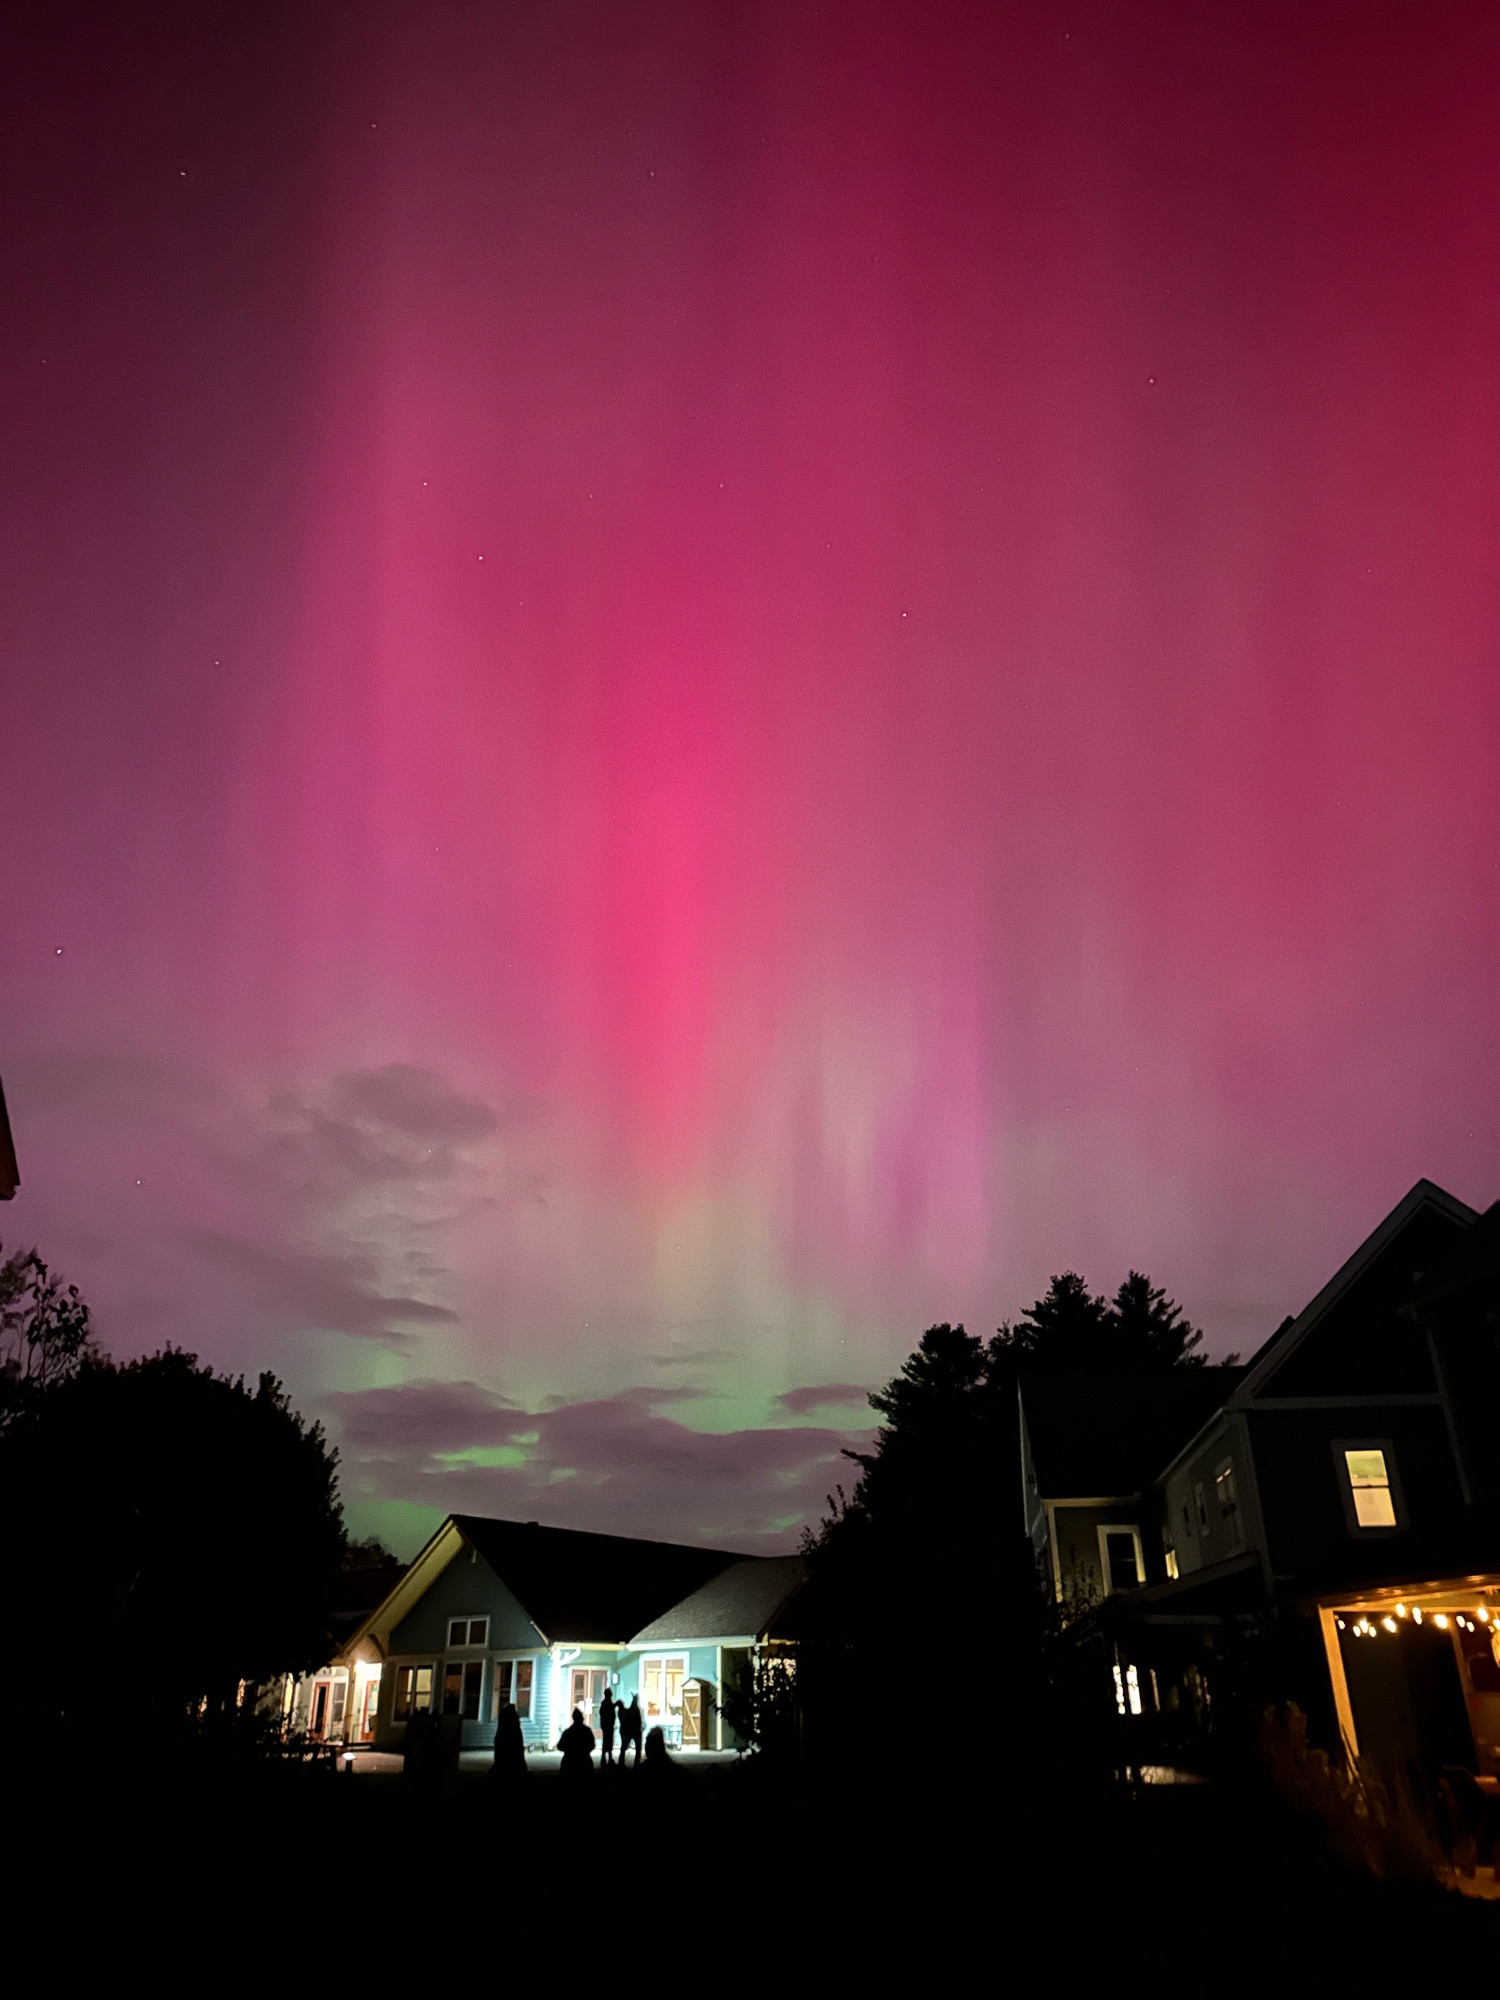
588, 1692
692, 1715
317, 1722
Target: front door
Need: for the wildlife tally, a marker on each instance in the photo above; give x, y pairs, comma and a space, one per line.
588, 1692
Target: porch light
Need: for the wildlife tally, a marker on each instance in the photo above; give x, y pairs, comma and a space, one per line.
1340, 1623
1440, 1619
1389, 1623
1416, 1612
1481, 1612
1400, 1610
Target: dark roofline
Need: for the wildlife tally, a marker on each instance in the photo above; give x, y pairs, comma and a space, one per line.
1291, 1333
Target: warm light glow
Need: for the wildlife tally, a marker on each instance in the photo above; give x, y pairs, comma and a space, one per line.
1440, 1619
1400, 1610
1482, 1614
1389, 1624
1417, 1613
1371, 1486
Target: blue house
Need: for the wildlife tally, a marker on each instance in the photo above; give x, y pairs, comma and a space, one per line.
684, 1659
497, 1611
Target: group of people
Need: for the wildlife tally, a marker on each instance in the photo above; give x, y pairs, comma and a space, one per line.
577, 1740
616, 1719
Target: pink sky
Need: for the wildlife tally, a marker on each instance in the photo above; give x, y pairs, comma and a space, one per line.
686, 687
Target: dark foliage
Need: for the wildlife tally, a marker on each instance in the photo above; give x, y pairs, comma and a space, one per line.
175, 1525
931, 1538
44, 1333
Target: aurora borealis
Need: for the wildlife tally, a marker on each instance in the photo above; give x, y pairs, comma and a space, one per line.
686, 686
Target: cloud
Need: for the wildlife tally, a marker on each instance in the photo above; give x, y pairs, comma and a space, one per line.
683, 1356
331, 1289
826, 1396
617, 1464
372, 1130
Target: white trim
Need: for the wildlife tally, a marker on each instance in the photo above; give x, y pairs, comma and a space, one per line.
1132, 1529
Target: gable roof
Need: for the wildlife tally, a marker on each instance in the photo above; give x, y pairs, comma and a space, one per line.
1099, 1432
579, 1587
576, 1588
1425, 1197
744, 1601
1473, 1263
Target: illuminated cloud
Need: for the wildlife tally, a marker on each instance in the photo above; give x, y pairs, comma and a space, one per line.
614, 1463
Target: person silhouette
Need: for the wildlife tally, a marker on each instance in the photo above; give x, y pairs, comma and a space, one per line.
658, 1763
510, 1745
577, 1746
630, 1729
607, 1730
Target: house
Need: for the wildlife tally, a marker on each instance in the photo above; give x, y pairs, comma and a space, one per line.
712, 1640
334, 1704
1330, 1533
547, 1618
1092, 1440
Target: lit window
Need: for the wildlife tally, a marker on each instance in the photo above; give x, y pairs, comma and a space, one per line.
468, 1631
1127, 1691
1172, 1569
513, 1683
1202, 1499
1370, 1484
413, 1691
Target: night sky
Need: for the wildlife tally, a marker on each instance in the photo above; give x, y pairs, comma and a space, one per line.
685, 686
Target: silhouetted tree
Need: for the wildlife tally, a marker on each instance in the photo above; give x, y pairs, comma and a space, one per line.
1149, 1328
44, 1332
932, 1533
181, 1524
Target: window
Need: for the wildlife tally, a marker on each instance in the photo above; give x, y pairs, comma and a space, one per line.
413, 1691
1128, 1690
661, 1692
1202, 1499
513, 1683
1120, 1558
462, 1681
1369, 1478
468, 1632
340, 1696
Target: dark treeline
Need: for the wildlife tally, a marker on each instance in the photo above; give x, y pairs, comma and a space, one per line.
181, 1526
930, 1540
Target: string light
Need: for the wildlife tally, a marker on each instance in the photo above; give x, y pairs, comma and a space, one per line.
1389, 1623
1440, 1619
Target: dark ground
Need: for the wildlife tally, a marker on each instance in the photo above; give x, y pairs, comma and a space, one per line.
288, 1875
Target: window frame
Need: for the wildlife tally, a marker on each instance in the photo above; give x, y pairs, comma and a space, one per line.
469, 1645
511, 1666
411, 1668
1357, 1528
1131, 1528
464, 1667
